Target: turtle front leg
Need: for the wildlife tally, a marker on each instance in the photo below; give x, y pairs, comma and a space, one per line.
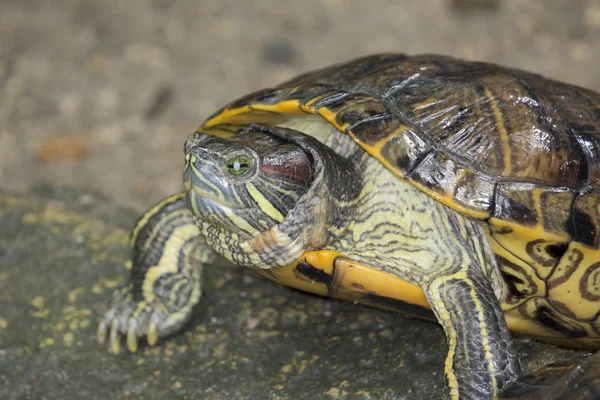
164, 285
482, 358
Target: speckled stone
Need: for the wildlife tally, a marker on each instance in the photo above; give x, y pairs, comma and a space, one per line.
64, 251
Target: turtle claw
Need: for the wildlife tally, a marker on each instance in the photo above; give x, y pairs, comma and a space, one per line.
132, 340
131, 320
101, 334
152, 335
115, 344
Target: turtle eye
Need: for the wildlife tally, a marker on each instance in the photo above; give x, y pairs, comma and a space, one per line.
238, 165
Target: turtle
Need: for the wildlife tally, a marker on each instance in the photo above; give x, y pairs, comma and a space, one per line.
463, 192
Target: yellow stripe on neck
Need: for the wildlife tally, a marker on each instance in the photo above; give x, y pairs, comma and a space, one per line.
264, 204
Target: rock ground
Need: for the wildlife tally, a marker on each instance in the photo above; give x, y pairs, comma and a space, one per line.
64, 251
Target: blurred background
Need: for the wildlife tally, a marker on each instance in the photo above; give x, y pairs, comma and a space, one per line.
103, 94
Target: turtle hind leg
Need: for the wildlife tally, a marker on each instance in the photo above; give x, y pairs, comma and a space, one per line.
482, 358
165, 281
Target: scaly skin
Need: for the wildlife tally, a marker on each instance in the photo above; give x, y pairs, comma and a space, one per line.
268, 195
164, 285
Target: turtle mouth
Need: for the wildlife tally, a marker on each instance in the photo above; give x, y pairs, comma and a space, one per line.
198, 204
208, 210
199, 196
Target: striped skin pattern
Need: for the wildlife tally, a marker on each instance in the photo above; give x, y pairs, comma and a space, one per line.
395, 228
405, 183
164, 285
384, 223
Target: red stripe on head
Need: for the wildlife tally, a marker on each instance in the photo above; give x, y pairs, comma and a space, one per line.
292, 163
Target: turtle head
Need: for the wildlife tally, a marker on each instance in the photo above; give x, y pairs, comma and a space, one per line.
267, 194
244, 185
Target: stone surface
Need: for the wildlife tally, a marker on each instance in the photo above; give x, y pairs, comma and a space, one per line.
63, 252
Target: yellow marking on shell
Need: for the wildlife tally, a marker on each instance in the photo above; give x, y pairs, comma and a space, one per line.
517, 240
261, 113
520, 325
309, 106
264, 204
504, 136
168, 260
288, 107
520, 321
288, 276
574, 283
428, 102
523, 284
331, 117
225, 116
150, 213
536, 194
352, 280
376, 147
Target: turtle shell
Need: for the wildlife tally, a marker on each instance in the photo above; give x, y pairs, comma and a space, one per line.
508, 147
